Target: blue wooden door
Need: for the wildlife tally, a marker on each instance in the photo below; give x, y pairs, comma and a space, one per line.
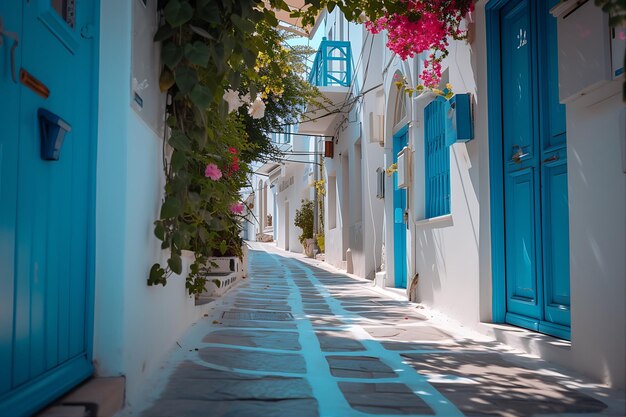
535, 170
45, 237
399, 223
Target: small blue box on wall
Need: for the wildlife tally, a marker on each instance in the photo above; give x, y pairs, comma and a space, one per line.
459, 123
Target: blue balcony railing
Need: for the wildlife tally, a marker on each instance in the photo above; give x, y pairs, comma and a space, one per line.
332, 65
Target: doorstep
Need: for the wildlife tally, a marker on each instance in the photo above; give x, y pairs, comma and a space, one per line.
549, 348
97, 397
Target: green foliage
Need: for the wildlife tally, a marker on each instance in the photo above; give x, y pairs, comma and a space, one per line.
320, 242
304, 220
207, 47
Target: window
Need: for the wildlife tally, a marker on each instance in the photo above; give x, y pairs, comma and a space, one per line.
65, 9
400, 109
380, 183
437, 161
358, 185
332, 202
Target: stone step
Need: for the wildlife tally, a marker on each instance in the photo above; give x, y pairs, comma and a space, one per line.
97, 397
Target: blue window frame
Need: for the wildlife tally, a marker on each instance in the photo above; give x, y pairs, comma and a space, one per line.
437, 160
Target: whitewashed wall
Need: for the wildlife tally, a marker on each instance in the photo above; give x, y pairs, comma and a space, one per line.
357, 155
453, 256
135, 325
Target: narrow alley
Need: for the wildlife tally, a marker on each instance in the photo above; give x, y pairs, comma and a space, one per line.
298, 340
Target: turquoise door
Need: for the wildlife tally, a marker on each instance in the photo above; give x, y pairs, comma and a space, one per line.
399, 223
535, 171
45, 205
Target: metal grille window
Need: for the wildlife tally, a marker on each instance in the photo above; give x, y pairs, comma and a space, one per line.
437, 161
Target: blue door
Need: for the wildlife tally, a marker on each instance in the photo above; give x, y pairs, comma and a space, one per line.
45, 205
535, 171
399, 208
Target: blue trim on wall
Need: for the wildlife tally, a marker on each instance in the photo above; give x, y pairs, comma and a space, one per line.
496, 172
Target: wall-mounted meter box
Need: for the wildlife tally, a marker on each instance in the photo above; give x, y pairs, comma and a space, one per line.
404, 168
584, 48
459, 123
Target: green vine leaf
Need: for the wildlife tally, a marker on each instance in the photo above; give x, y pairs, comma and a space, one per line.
179, 141
157, 275
209, 11
186, 79
164, 33
177, 13
198, 54
201, 96
244, 25
178, 160
171, 208
223, 246
166, 80
199, 136
159, 230
171, 54
176, 264
199, 31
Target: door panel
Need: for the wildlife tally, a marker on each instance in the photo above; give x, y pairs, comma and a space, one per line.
518, 117
47, 340
556, 243
521, 194
399, 227
535, 169
555, 214
521, 260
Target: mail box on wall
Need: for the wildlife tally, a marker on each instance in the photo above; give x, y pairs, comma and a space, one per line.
404, 168
459, 123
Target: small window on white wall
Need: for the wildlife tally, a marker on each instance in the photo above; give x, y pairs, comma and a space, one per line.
400, 109
358, 184
332, 202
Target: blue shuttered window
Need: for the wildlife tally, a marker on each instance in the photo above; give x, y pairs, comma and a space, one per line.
437, 160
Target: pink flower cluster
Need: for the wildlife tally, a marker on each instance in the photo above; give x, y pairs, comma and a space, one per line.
213, 172
424, 25
234, 167
236, 208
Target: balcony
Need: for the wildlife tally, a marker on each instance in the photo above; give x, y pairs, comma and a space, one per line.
331, 73
332, 65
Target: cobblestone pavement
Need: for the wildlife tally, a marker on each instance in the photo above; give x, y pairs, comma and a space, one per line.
296, 341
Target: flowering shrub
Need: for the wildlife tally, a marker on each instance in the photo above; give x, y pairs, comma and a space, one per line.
229, 81
424, 25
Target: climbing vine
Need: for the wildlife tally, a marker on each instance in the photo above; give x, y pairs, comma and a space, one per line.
230, 80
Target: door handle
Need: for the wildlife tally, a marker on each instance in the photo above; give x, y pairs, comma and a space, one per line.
518, 155
16, 41
551, 159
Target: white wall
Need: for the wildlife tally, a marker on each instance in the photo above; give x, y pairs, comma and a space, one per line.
359, 214
453, 256
597, 199
134, 325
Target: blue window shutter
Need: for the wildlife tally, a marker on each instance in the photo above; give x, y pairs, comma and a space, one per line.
437, 159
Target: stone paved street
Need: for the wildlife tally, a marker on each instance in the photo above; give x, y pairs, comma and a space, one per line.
295, 340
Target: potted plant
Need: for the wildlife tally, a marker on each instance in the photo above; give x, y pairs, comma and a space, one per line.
304, 220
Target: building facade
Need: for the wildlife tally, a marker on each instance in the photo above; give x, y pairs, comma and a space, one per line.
520, 223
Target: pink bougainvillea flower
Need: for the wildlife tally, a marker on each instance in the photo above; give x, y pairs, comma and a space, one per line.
213, 172
232, 150
236, 208
424, 25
